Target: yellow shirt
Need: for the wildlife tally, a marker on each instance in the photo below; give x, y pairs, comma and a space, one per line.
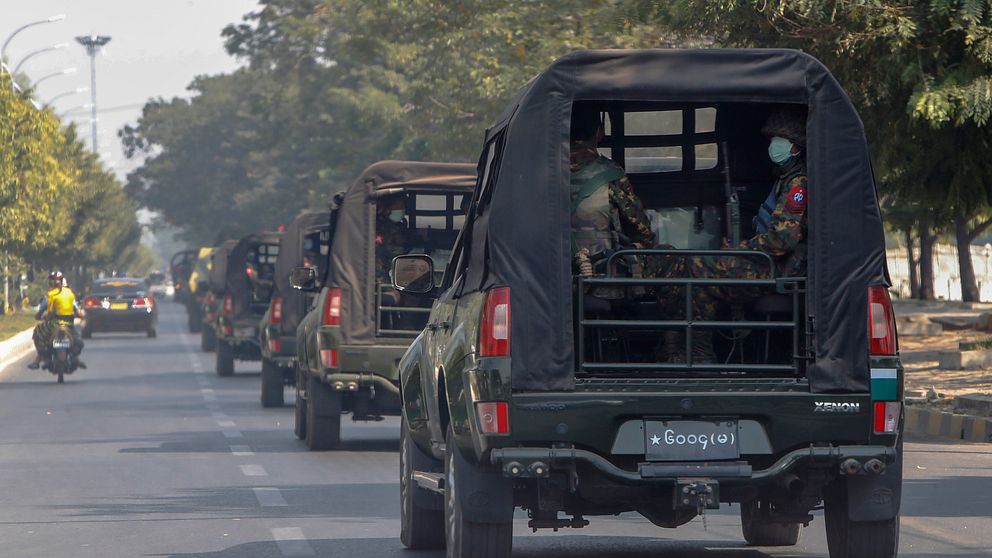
61, 301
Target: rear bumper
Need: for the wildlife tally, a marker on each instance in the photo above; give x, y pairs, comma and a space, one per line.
542, 462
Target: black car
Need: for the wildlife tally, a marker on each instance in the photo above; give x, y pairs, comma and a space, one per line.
120, 304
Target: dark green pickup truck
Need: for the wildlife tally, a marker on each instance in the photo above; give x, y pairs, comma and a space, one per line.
565, 406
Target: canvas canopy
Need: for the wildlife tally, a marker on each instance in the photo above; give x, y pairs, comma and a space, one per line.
521, 238
352, 257
291, 252
217, 279
237, 282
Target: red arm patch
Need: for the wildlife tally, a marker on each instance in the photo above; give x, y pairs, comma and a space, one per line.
796, 200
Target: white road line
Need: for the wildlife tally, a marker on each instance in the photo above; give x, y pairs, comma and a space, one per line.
241, 451
269, 497
219, 416
253, 471
209, 397
291, 541
232, 434
206, 390
226, 423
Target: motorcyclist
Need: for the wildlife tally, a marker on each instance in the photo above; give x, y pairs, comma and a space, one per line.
58, 307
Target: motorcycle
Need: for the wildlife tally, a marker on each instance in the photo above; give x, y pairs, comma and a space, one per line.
61, 359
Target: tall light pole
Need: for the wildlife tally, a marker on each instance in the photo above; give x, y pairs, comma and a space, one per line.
3, 49
93, 43
34, 53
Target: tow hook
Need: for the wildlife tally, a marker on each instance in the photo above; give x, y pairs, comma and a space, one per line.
874, 467
852, 466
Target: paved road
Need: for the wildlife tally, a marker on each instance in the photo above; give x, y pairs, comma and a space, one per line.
148, 453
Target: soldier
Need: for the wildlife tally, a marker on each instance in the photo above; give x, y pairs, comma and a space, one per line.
390, 241
606, 213
779, 231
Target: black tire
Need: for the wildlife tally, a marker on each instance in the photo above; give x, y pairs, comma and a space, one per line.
857, 539
87, 333
465, 538
152, 333
763, 533
208, 339
323, 416
272, 385
300, 418
421, 527
61, 375
194, 322
225, 359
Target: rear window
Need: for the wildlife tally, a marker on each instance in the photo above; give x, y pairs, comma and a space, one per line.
118, 287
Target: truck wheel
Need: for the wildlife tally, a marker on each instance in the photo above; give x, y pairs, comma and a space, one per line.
225, 359
272, 384
857, 539
194, 322
323, 416
152, 333
208, 339
421, 526
300, 405
758, 532
465, 538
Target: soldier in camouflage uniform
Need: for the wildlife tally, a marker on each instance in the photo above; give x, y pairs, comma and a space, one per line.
779, 231
606, 213
391, 240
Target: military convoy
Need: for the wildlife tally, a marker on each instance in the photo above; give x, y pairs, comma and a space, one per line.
398, 301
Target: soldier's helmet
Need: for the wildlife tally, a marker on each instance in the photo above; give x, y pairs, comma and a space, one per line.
787, 122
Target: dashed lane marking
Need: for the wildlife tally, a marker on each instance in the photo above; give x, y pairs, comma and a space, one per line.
226, 423
253, 471
232, 434
241, 451
269, 497
291, 541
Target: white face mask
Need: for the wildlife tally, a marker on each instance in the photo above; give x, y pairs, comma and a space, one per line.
397, 215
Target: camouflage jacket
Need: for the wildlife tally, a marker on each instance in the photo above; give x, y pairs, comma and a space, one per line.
785, 239
627, 214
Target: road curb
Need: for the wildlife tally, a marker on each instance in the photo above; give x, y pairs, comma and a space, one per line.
938, 424
15, 348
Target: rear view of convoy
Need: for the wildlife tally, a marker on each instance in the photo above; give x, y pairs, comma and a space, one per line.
733, 341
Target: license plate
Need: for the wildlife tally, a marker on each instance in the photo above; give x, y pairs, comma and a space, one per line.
118, 306
690, 440
245, 332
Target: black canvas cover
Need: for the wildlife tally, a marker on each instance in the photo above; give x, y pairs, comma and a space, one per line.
525, 230
352, 261
217, 279
291, 255
236, 279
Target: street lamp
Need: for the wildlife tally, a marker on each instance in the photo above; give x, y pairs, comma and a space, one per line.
93, 43
34, 53
3, 49
64, 72
75, 91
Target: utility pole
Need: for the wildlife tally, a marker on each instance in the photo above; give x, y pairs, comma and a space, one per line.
93, 43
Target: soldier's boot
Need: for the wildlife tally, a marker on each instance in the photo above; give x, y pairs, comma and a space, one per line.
702, 348
671, 350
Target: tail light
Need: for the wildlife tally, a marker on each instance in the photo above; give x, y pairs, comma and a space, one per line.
274, 345
228, 330
494, 417
210, 299
275, 310
887, 416
494, 337
329, 358
91, 302
143, 302
228, 306
332, 308
881, 322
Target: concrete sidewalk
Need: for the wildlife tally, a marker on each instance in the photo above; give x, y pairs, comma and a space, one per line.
15, 348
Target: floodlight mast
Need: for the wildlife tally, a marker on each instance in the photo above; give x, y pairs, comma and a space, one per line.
93, 44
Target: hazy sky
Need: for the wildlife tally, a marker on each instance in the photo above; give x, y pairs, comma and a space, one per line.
157, 47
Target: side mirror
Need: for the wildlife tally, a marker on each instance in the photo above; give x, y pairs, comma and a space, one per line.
413, 274
303, 279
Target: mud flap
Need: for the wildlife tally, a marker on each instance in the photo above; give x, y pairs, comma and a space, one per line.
876, 498
486, 496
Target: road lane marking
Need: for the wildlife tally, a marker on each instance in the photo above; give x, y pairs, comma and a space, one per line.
219, 415
253, 471
232, 434
241, 451
269, 497
226, 423
209, 397
291, 541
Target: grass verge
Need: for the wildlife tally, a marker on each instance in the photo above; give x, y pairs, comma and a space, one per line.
12, 324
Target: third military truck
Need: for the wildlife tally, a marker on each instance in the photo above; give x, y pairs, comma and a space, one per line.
358, 327
540, 387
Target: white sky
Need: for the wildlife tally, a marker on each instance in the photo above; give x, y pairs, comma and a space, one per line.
157, 48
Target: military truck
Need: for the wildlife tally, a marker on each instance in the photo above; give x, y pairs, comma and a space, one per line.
180, 267
198, 289
248, 284
358, 327
216, 286
563, 407
305, 243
